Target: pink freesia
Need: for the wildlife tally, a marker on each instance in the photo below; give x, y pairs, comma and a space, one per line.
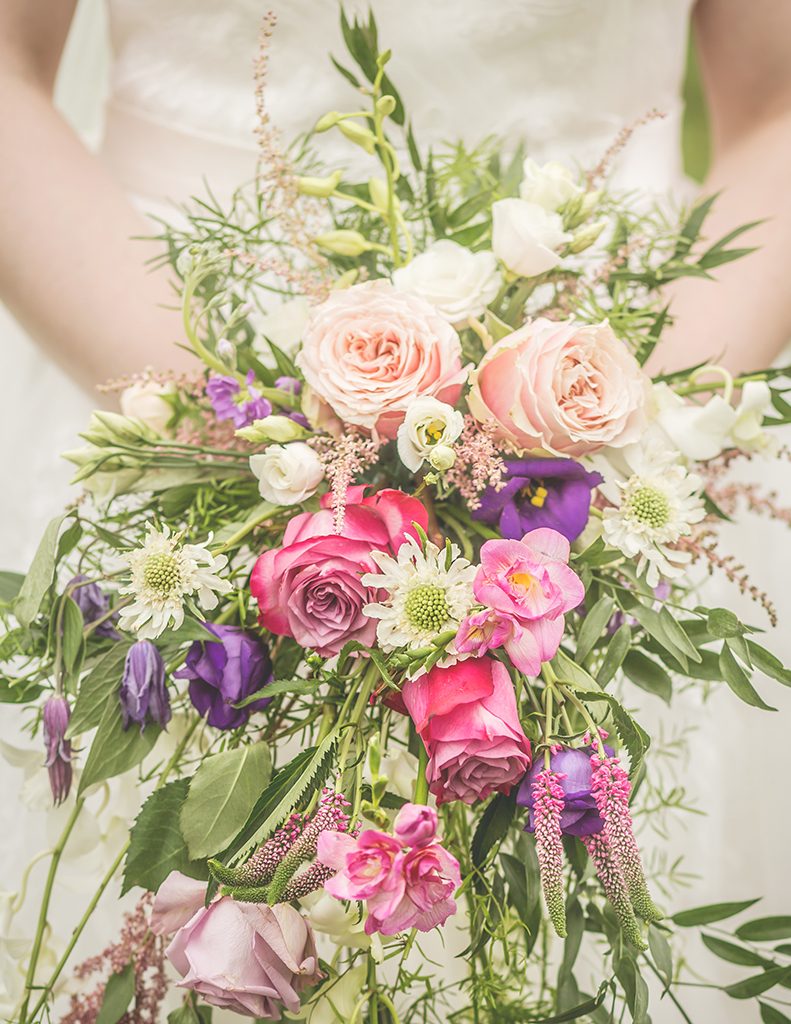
416, 824
466, 716
247, 957
369, 350
311, 587
176, 901
527, 586
562, 386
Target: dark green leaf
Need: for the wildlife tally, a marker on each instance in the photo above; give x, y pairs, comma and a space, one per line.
661, 952
493, 826
115, 750
764, 929
191, 1013
768, 663
593, 626
735, 676
734, 954
118, 994
648, 675
72, 633
770, 1015
633, 736
617, 649
39, 576
758, 983
97, 689
710, 913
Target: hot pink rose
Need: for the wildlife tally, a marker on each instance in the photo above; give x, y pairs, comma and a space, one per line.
467, 718
562, 386
369, 350
248, 957
311, 587
527, 587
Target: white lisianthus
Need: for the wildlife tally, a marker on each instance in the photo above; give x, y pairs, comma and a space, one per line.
147, 401
457, 282
551, 185
525, 237
283, 323
428, 424
287, 473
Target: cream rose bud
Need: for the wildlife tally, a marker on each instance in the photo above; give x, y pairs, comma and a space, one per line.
551, 185
457, 282
146, 401
428, 424
287, 473
525, 236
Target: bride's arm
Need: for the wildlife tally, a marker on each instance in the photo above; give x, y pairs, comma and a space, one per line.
69, 269
745, 58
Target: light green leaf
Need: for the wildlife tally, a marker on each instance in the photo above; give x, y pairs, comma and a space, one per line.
617, 649
753, 986
72, 633
765, 929
734, 954
661, 952
40, 574
735, 676
593, 626
115, 750
710, 913
222, 793
118, 994
767, 663
10, 584
569, 672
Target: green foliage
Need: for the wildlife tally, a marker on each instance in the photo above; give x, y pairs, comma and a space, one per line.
156, 845
98, 690
118, 995
40, 574
114, 749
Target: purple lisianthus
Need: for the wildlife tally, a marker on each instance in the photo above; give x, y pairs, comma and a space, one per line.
573, 771
231, 401
223, 672
554, 493
94, 604
56, 720
143, 694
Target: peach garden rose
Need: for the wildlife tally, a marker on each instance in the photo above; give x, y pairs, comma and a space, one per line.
562, 386
369, 350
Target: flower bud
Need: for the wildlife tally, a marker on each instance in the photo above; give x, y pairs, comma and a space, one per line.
113, 428
416, 824
226, 350
280, 429
585, 237
143, 694
321, 187
343, 241
377, 189
359, 135
93, 604
442, 458
346, 280
327, 121
385, 105
290, 384
56, 721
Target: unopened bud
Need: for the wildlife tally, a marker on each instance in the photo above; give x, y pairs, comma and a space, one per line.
344, 242
346, 280
359, 135
321, 187
56, 721
585, 237
385, 105
143, 694
377, 189
442, 458
226, 350
327, 121
277, 429
580, 208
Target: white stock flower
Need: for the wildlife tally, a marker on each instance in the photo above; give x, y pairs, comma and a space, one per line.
147, 401
164, 573
428, 423
551, 185
457, 282
287, 473
659, 503
525, 236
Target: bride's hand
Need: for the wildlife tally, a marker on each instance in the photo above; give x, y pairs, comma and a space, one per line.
69, 268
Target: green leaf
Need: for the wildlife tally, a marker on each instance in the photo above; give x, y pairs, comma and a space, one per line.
677, 636
10, 584
97, 689
764, 929
575, 1012
569, 672
593, 626
222, 793
617, 649
655, 626
493, 826
735, 676
118, 994
191, 1013
39, 576
661, 952
72, 633
770, 1015
297, 685
710, 913
722, 623
633, 736
115, 750
156, 845
767, 663
648, 675
758, 983
734, 954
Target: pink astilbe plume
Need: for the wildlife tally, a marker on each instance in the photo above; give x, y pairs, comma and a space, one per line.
478, 464
611, 789
344, 458
548, 806
609, 873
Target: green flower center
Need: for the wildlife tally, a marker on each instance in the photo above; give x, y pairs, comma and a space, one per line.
162, 574
649, 506
427, 608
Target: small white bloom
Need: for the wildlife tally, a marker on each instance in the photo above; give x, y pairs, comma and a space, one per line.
287, 473
551, 185
659, 504
428, 592
283, 323
164, 573
341, 922
427, 424
442, 458
457, 282
747, 432
147, 401
526, 237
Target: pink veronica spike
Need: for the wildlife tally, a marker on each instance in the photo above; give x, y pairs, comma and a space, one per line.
608, 871
548, 806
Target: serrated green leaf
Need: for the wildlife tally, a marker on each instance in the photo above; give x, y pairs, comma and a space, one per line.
710, 913
735, 676
593, 626
115, 750
39, 577
297, 686
765, 929
156, 845
118, 994
222, 793
634, 738
97, 689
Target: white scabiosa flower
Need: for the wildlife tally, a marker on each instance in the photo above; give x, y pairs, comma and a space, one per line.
659, 504
428, 425
164, 573
287, 473
429, 591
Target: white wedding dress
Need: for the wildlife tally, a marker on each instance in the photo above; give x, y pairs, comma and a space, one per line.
564, 75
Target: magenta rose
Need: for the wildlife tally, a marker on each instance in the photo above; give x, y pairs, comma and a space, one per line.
311, 588
466, 716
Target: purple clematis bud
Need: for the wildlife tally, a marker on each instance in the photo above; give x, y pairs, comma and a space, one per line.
143, 694
94, 604
56, 720
223, 672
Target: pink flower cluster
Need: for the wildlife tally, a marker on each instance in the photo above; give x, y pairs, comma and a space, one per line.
407, 880
526, 587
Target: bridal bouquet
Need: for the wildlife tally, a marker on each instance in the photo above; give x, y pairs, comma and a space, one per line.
361, 610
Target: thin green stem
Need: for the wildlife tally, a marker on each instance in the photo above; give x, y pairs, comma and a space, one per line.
421, 779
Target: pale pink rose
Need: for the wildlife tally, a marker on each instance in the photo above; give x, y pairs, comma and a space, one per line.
416, 824
529, 586
466, 716
562, 386
247, 957
369, 350
177, 899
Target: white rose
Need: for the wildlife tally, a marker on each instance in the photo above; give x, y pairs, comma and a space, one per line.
457, 282
525, 236
550, 185
283, 323
428, 423
146, 401
287, 473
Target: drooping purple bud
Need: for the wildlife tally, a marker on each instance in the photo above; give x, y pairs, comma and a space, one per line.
289, 384
143, 694
56, 720
300, 418
94, 604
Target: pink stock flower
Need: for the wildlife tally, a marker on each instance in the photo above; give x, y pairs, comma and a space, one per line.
527, 587
369, 866
466, 716
311, 587
369, 350
416, 824
562, 386
431, 876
